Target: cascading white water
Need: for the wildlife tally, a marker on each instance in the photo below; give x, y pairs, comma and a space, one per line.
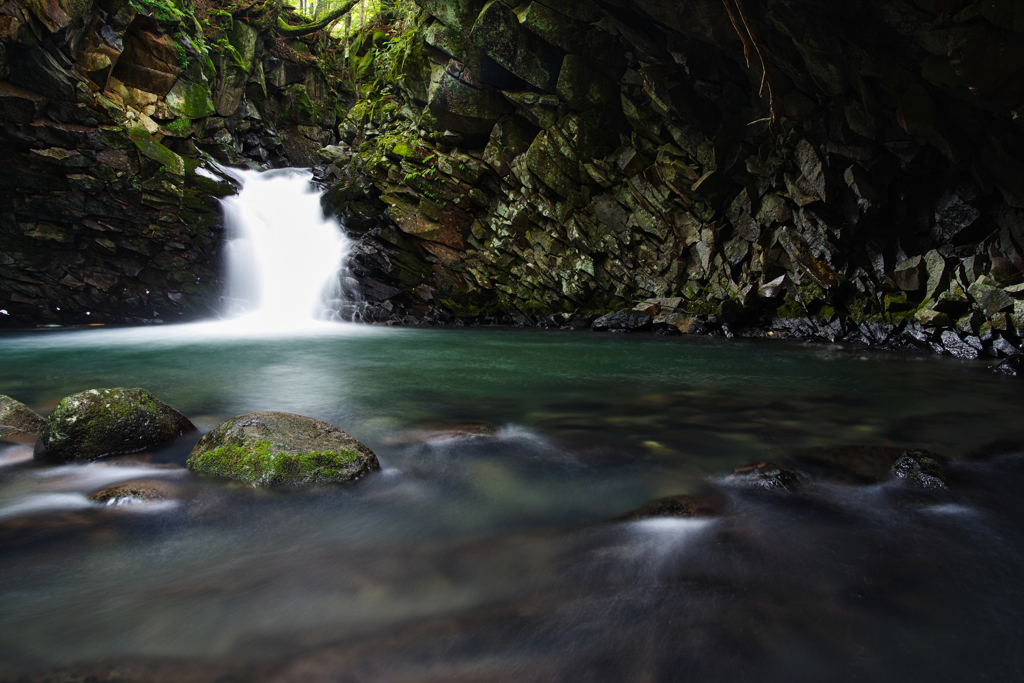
284, 256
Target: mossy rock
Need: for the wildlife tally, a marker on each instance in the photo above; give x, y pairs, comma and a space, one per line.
18, 418
102, 422
280, 449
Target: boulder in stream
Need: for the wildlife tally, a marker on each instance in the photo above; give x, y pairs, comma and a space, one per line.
280, 449
765, 475
101, 422
922, 469
18, 418
687, 506
139, 491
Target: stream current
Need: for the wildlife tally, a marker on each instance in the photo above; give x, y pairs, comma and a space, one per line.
495, 553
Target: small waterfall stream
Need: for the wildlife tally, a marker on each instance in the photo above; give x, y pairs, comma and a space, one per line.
284, 257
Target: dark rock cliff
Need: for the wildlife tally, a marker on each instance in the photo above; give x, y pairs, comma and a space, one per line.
107, 110
842, 171
845, 171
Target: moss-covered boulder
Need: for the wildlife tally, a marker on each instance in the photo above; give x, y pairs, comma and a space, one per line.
102, 422
18, 418
280, 449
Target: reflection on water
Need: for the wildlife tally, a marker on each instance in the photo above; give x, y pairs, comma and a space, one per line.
486, 548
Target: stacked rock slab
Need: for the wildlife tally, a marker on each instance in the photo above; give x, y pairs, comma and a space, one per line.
837, 171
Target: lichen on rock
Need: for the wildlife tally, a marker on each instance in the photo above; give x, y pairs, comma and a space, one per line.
269, 448
100, 422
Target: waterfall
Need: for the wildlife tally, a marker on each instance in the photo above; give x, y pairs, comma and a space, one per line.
284, 257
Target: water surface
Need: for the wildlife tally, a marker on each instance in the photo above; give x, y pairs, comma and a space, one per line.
499, 558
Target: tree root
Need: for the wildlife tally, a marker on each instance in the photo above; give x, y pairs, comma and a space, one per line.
305, 29
750, 43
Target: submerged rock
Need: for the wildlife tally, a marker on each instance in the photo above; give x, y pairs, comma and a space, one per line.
280, 449
922, 469
678, 506
102, 422
18, 418
623, 320
858, 464
443, 431
141, 491
767, 475
1011, 367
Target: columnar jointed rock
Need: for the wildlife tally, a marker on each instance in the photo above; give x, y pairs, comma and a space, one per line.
644, 149
280, 449
18, 418
102, 422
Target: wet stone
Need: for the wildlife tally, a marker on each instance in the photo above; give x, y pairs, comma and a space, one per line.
678, 506
101, 422
623, 320
1011, 367
443, 431
922, 469
766, 475
141, 491
280, 449
956, 346
18, 418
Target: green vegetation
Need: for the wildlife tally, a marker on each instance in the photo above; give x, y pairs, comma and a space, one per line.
266, 464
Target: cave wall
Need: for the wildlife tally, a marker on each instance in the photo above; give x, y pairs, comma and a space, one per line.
110, 114
837, 170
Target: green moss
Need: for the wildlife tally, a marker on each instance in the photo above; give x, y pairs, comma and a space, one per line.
264, 463
148, 145
789, 310
110, 421
190, 99
180, 127
164, 11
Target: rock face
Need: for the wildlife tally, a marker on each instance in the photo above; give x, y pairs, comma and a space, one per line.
843, 171
813, 170
102, 422
281, 449
106, 112
18, 418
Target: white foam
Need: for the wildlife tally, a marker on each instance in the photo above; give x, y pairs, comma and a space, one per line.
46, 502
96, 476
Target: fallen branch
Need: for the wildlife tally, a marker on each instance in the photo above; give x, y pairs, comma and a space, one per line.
305, 29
